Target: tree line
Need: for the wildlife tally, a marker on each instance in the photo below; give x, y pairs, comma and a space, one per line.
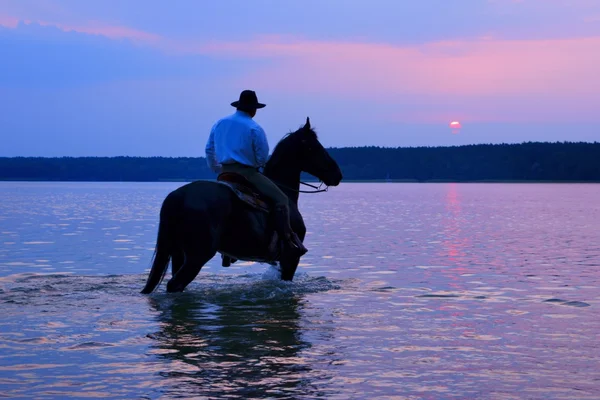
530, 161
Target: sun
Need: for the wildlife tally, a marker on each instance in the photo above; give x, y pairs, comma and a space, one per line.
455, 126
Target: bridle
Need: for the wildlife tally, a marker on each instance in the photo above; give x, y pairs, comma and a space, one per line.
318, 189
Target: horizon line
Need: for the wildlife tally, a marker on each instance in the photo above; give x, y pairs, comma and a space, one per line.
341, 148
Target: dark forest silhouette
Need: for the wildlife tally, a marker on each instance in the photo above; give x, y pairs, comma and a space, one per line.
531, 161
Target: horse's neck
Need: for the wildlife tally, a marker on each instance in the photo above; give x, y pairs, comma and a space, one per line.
287, 177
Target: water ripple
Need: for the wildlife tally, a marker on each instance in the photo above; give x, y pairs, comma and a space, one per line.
408, 291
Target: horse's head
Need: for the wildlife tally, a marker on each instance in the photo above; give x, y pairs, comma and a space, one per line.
313, 157
301, 151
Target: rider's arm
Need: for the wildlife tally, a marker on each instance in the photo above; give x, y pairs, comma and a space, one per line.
211, 157
260, 146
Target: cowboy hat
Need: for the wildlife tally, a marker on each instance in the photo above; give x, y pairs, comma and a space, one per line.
248, 100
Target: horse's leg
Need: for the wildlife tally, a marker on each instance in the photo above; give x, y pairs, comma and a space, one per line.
227, 261
288, 268
177, 259
190, 269
290, 264
194, 261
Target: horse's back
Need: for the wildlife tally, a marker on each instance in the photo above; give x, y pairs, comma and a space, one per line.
216, 200
197, 199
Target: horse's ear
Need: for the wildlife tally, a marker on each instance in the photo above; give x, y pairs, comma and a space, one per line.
307, 125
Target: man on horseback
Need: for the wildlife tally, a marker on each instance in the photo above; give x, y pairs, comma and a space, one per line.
238, 144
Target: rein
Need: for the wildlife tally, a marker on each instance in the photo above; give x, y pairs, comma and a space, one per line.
317, 188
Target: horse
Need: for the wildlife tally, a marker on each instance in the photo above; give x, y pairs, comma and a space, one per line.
228, 216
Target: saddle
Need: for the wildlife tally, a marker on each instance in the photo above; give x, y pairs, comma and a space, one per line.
248, 194
244, 190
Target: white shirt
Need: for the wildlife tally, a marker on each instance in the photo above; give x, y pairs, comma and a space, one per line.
236, 138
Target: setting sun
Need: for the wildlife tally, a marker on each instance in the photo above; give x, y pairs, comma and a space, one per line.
455, 126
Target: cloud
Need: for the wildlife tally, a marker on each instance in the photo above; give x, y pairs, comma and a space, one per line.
485, 79
8, 21
45, 55
402, 74
547, 73
391, 21
92, 28
478, 67
109, 31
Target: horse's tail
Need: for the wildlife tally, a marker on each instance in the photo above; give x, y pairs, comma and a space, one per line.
163, 249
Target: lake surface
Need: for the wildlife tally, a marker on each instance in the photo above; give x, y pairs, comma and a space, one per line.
409, 291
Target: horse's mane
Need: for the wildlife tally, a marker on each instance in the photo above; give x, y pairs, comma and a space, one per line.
291, 139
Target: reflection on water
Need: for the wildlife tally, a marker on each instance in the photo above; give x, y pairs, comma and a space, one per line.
415, 291
456, 243
97, 337
223, 347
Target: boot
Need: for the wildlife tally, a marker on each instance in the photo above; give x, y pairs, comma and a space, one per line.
292, 246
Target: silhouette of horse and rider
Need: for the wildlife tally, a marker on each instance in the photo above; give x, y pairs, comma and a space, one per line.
244, 215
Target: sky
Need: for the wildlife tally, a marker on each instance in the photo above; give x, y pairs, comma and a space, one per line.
150, 78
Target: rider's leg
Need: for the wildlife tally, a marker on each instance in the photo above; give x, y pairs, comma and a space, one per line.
281, 204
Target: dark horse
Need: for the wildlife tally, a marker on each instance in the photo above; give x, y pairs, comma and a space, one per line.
201, 218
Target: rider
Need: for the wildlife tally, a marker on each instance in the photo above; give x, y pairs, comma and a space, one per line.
238, 144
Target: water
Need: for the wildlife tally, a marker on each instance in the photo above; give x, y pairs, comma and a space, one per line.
409, 291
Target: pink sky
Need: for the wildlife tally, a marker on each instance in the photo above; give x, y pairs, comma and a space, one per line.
461, 70
487, 68
457, 69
